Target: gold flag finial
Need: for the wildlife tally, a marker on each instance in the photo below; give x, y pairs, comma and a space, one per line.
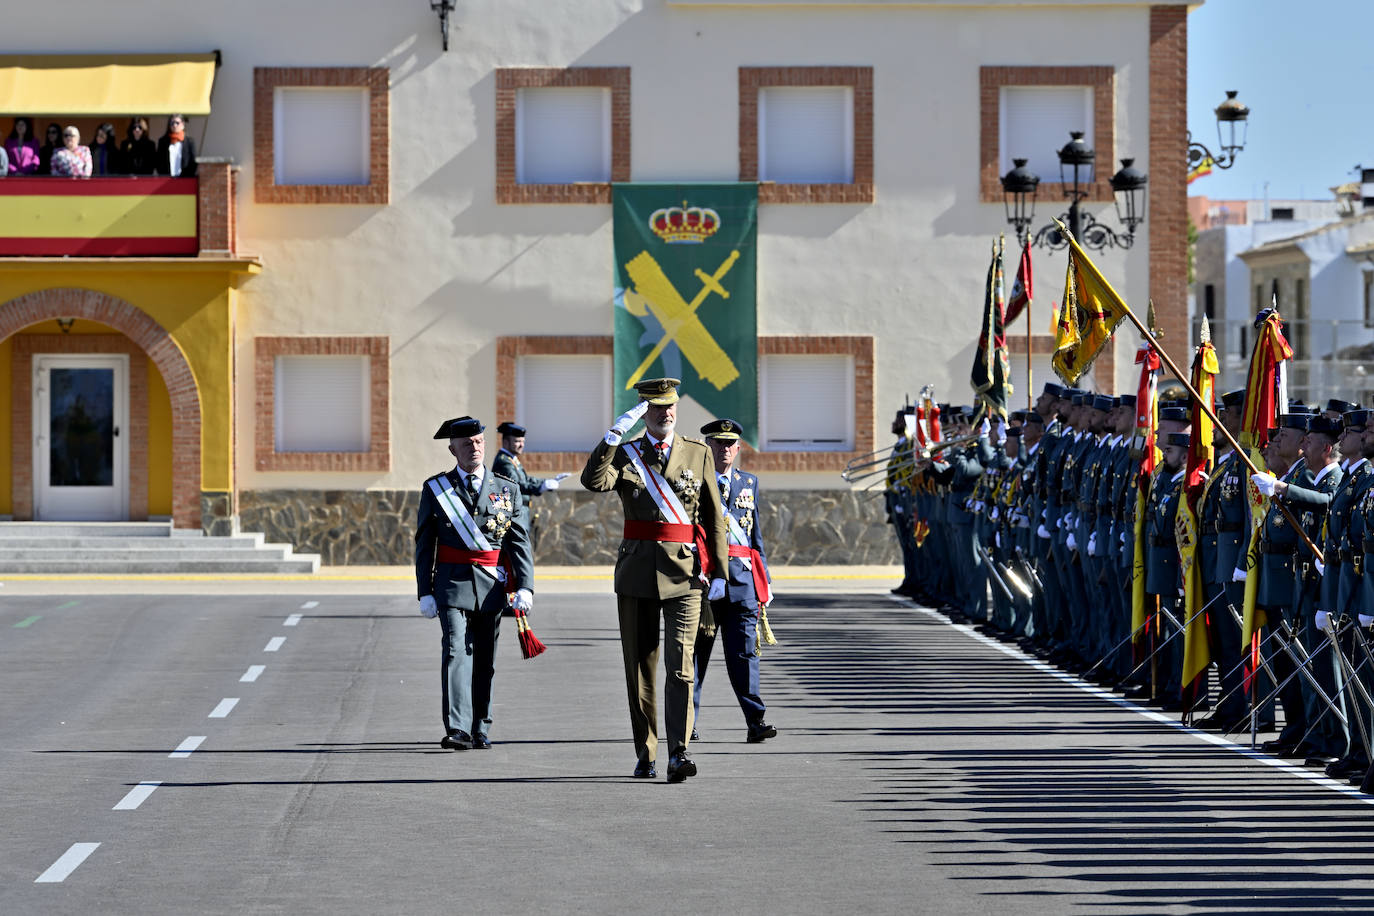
1152, 323
1205, 335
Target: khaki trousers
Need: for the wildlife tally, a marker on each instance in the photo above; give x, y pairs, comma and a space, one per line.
639, 637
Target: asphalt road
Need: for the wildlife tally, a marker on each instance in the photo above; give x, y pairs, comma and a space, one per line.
920, 768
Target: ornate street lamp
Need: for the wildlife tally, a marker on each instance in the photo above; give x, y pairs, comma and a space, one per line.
1076, 165
443, 8
1233, 119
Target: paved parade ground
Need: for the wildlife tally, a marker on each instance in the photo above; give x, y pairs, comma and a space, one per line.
277, 753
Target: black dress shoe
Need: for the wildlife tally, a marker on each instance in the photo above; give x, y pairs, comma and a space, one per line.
1319, 760
481, 743
760, 731
458, 741
1278, 747
645, 770
1138, 692
695, 736
680, 766
1346, 768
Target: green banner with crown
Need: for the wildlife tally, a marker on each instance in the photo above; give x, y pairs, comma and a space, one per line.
685, 270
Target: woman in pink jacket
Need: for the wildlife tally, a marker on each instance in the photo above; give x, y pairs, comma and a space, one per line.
22, 148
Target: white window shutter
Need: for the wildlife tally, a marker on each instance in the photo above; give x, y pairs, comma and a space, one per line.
323, 404
1035, 123
806, 402
562, 135
321, 136
806, 134
564, 401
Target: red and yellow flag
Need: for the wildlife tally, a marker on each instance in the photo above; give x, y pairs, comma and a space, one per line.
1146, 427
1196, 652
1089, 314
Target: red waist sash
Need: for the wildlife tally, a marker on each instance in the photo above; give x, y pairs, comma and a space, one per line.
449, 554
761, 589
659, 531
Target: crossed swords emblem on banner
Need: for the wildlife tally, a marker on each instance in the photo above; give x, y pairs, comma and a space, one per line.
654, 292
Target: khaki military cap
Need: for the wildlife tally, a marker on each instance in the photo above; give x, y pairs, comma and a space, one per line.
658, 391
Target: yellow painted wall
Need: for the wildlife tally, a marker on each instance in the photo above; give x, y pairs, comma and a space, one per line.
6, 459
159, 444
193, 301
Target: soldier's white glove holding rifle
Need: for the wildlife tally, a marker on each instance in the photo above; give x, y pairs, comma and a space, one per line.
622, 423
553, 482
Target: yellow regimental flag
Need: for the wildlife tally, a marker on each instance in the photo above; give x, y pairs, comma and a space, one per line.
1091, 308
1138, 596
1197, 653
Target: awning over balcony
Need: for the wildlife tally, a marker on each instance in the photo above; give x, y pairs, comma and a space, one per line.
107, 84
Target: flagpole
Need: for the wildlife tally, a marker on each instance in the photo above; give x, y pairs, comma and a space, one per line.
1216, 424
1030, 346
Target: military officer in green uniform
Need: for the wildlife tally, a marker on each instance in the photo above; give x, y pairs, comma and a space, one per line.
472, 548
674, 539
507, 464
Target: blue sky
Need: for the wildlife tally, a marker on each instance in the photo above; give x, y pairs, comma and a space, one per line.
1305, 70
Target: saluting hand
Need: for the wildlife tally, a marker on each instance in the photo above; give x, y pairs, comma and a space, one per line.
622, 423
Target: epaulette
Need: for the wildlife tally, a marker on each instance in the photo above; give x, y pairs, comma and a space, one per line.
504, 477
690, 439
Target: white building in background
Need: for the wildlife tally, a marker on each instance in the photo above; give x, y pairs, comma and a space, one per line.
385, 234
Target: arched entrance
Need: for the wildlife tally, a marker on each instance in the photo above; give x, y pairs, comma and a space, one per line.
161, 349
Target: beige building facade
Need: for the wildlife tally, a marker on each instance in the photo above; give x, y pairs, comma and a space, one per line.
407, 233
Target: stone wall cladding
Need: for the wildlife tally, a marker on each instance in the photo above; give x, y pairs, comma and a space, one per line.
573, 528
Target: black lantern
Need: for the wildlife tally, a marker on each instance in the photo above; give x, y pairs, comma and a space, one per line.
1018, 196
443, 8
1128, 185
1076, 161
1233, 120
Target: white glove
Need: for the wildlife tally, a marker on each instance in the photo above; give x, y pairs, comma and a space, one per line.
1321, 567
550, 484
1070, 543
997, 538
1264, 483
717, 591
996, 513
984, 428
1238, 575
428, 607
1092, 544
564, 476
622, 423
1324, 621
1366, 621
1043, 532
1002, 434
1122, 536
522, 600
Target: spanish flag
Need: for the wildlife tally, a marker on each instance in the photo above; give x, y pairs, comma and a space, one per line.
1146, 428
1202, 168
1196, 652
1090, 313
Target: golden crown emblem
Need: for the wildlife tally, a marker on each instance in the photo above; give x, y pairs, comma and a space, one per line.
684, 223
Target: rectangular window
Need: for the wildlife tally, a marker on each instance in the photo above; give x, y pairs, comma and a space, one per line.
1035, 124
321, 135
563, 135
1209, 301
806, 134
1369, 299
322, 403
559, 398
806, 402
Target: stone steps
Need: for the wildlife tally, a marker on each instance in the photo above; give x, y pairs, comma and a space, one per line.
82, 548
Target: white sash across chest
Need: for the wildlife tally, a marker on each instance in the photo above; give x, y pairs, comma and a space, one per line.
658, 489
458, 514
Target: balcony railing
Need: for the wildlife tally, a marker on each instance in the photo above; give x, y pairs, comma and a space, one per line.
120, 216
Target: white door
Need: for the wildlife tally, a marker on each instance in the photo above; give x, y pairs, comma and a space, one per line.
80, 442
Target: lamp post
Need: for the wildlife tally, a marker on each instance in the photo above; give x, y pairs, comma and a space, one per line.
1076, 167
443, 8
1231, 114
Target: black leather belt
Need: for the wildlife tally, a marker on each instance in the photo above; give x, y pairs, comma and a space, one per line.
1228, 526
1158, 541
1344, 554
1369, 545
1209, 528
1284, 549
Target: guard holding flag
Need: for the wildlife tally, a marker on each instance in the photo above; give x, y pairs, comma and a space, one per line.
747, 590
674, 543
472, 546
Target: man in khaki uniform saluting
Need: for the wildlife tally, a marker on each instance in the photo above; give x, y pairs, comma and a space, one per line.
674, 537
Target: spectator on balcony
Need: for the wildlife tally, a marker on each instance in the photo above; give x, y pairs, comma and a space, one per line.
138, 153
105, 151
71, 160
176, 152
52, 142
22, 148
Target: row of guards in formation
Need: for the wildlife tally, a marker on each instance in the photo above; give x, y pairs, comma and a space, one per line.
1201, 554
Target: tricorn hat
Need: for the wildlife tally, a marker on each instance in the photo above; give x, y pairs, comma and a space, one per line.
461, 428
511, 429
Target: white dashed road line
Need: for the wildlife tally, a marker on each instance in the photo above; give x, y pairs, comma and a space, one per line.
292, 620
274, 643
252, 673
137, 796
58, 871
185, 748
225, 706
309, 604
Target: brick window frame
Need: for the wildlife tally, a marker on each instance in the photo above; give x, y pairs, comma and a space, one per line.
265, 352
860, 347
860, 80
509, 80
376, 80
1102, 81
